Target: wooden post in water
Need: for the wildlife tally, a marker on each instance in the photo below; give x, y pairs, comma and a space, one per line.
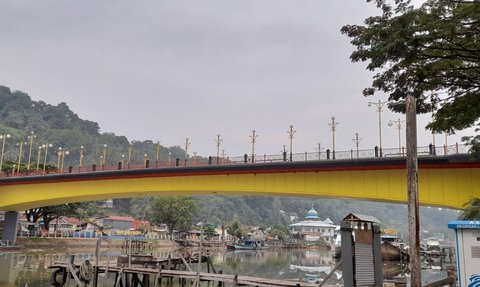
412, 183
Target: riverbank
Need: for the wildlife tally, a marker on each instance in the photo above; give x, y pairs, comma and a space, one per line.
38, 244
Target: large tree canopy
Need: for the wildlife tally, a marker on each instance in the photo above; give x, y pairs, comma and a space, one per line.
177, 212
432, 53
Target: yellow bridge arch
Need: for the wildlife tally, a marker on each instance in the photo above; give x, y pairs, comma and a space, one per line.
443, 181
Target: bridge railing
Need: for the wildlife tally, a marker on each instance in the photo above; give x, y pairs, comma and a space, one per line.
323, 155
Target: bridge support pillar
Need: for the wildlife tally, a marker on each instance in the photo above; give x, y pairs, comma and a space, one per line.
10, 227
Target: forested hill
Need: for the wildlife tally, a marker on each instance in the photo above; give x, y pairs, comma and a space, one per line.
61, 127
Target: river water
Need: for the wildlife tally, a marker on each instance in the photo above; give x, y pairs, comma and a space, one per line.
31, 269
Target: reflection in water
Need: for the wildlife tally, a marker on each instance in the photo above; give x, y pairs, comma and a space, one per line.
19, 269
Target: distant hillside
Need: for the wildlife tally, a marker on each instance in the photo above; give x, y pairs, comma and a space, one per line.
60, 126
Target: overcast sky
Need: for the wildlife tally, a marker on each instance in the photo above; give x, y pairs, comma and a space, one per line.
168, 70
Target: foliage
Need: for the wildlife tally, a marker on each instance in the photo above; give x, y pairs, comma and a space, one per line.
237, 230
209, 231
49, 213
472, 210
177, 212
279, 231
432, 53
61, 127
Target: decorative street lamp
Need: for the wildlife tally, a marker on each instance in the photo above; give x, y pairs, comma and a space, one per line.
30, 139
20, 154
333, 126
59, 156
3, 137
145, 158
104, 154
39, 154
253, 138
45, 146
129, 154
290, 133
80, 160
357, 141
398, 124
157, 147
218, 141
379, 106
122, 161
319, 150
187, 144
169, 158
64, 153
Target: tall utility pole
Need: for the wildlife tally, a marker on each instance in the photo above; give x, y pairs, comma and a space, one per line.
290, 133
357, 141
379, 106
333, 126
187, 144
253, 137
218, 141
412, 183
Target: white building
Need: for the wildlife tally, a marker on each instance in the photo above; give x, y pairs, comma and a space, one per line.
314, 229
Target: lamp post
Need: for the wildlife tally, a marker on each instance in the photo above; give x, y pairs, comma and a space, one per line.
379, 106
218, 141
129, 154
104, 154
357, 141
169, 158
59, 156
319, 150
187, 144
30, 139
39, 154
45, 146
157, 147
253, 138
3, 137
145, 158
398, 124
80, 160
64, 153
290, 133
122, 161
20, 154
333, 126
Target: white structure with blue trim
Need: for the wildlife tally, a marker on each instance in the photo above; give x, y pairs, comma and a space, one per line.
467, 238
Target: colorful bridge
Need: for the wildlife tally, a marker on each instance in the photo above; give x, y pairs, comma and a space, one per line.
444, 181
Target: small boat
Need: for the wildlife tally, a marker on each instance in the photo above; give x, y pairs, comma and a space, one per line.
247, 245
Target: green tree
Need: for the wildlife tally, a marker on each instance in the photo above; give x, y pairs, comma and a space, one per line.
472, 210
177, 212
237, 230
432, 53
49, 213
279, 231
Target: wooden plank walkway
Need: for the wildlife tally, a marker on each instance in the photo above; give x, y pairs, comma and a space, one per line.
233, 280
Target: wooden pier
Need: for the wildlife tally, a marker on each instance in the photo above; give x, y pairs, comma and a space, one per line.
149, 277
